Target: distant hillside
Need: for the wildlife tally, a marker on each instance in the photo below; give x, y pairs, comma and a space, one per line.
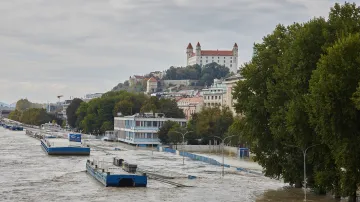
205, 75
4, 104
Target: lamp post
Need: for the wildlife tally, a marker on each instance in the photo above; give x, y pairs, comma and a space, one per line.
304, 151
223, 145
183, 136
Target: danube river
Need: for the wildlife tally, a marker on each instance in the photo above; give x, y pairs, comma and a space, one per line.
28, 174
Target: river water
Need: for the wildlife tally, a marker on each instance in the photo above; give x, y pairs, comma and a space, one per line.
27, 173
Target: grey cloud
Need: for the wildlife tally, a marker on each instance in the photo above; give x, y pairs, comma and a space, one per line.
84, 46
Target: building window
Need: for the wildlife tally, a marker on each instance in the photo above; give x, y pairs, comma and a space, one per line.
224, 61
218, 57
155, 123
206, 61
206, 57
148, 136
230, 65
137, 123
215, 97
218, 61
224, 57
230, 61
212, 60
230, 57
212, 97
200, 60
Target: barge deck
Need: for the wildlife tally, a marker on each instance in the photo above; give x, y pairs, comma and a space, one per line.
114, 176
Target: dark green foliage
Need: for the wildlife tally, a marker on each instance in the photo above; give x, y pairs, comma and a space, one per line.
71, 111
15, 115
210, 122
163, 133
205, 75
301, 89
25, 104
35, 116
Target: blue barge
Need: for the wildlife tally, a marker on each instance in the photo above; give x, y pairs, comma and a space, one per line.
115, 176
58, 146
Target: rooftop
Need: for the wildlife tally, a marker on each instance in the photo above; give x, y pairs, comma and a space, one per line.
152, 79
191, 99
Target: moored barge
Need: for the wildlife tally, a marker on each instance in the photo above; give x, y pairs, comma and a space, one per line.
116, 176
59, 146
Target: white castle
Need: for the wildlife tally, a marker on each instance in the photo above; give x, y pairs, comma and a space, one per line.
229, 58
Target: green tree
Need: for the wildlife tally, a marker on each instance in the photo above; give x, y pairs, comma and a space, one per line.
106, 126
170, 108
163, 132
80, 114
125, 107
333, 111
71, 112
23, 105
210, 122
274, 99
34, 116
174, 136
15, 115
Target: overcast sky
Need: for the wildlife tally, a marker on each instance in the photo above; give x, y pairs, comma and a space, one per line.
75, 47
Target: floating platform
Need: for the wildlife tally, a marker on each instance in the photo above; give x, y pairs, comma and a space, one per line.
57, 146
115, 176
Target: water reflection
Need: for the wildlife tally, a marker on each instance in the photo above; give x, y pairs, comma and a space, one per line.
289, 194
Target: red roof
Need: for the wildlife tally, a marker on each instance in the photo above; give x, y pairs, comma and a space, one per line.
216, 53
198, 44
189, 46
152, 79
235, 45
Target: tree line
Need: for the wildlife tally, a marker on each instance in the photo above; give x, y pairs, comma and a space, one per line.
205, 127
302, 91
204, 75
97, 115
34, 116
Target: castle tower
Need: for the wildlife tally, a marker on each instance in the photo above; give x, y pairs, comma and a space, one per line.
235, 50
198, 49
189, 51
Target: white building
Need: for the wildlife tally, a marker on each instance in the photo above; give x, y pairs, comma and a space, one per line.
230, 83
215, 94
94, 95
141, 129
190, 105
151, 85
228, 58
